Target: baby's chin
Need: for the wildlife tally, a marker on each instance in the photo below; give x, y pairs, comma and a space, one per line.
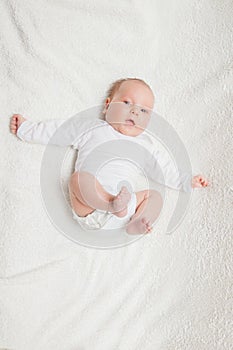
128, 130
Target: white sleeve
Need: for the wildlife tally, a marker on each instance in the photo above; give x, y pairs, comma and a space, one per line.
60, 132
38, 132
161, 169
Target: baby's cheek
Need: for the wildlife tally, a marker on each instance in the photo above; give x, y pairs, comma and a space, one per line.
118, 116
144, 123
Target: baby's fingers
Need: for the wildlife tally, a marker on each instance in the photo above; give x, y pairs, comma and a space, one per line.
204, 183
13, 126
202, 180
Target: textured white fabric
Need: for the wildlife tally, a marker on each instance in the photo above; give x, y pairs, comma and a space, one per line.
161, 292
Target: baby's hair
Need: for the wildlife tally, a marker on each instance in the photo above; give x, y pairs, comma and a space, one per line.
114, 87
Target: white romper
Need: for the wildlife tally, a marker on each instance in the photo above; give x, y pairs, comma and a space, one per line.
110, 156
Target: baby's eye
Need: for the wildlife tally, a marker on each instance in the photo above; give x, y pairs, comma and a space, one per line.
126, 102
143, 110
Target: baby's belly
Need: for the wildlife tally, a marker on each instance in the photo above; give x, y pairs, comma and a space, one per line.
114, 172
117, 173
114, 184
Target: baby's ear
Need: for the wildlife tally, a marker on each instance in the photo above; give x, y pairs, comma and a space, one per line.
106, 105
107, 102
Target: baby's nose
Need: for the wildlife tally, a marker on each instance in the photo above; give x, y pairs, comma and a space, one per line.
134, 110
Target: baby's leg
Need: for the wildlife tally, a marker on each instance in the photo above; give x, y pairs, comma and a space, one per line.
87, 194
149, 205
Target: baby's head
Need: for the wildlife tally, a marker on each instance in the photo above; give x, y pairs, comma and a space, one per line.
128, 106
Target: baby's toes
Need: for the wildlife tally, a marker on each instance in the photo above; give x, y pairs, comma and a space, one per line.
128, 195
119, 196
124, 189
147, 223
148, 228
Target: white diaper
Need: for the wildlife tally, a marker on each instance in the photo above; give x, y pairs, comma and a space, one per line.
101, 219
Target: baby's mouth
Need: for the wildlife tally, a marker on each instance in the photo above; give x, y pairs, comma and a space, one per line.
130, 122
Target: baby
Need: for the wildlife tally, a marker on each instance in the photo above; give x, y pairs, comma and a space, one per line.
94, 200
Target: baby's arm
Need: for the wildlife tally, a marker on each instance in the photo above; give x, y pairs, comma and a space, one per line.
40, 132
60, 132
161, 169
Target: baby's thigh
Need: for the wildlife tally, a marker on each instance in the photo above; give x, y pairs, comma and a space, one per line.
153, 194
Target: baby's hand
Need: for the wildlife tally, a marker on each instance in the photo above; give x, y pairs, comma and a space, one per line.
199, 181
16, 121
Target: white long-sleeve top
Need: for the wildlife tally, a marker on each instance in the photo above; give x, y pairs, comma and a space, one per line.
109, 155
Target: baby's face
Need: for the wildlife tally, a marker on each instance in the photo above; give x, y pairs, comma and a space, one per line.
130, 109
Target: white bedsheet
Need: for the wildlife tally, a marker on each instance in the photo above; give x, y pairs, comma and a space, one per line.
163, 291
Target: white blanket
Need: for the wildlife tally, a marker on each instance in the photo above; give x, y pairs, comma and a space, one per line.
163, 291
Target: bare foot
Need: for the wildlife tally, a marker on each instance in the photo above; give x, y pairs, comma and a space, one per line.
119, 204
16, 121
139, 226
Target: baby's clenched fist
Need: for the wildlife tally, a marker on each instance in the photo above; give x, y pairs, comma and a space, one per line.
16, 121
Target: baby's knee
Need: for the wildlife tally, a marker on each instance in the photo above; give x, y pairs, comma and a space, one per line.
156, 195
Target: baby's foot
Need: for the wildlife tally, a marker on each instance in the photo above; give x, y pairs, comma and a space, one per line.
139, 226
16, 121
119, 204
